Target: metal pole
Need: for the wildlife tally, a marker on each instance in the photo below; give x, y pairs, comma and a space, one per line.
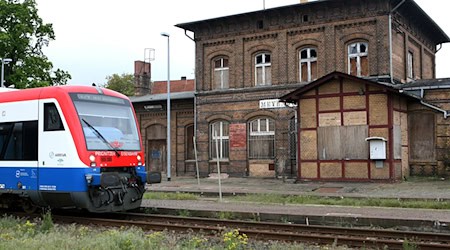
4, 61
3, 68
168, 104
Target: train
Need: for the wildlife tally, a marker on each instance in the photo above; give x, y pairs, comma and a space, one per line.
70, 147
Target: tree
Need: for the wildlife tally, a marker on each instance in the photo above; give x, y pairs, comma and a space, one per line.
22, 37
121, 83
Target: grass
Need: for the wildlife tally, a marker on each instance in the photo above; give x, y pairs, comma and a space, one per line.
313, 200
170, 196
358, 202
43, 234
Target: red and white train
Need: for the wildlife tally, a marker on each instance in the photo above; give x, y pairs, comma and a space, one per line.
70, 147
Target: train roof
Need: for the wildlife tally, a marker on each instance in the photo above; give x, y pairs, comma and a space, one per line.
9, 95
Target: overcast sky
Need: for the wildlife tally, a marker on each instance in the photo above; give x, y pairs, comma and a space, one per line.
98, 38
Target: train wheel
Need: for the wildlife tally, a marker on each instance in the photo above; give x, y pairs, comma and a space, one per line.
28, 207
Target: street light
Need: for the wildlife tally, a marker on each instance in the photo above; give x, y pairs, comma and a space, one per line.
168, 103
4, 61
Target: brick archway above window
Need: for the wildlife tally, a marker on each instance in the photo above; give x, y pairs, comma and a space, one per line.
218, 117
259, 113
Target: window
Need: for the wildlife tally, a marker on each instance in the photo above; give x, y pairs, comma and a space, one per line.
342, 142
308, 65
19, 141
263, 74
190, 154
219, 142
358, 59
410, 66
261, 138
221, 73
52, 120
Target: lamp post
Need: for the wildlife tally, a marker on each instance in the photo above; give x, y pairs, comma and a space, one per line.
4, 61
168, 103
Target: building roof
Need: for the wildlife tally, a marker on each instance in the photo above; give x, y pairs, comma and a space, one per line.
408, 8
183, 85
163, 97
440, 83
295, 95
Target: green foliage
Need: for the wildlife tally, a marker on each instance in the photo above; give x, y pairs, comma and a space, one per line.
170, 196
47, 222
342, 201
121, 83
225, 215
184, 213
235, 240
23, 34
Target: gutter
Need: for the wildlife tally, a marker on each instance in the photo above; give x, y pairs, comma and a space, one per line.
435, 108
391, 69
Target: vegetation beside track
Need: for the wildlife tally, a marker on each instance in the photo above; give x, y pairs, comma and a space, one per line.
42, 233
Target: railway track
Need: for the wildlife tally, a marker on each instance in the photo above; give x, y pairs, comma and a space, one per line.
352, 237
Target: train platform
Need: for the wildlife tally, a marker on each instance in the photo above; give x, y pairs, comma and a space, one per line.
420, 189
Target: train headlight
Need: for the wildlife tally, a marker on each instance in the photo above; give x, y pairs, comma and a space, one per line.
139, 158
92, 159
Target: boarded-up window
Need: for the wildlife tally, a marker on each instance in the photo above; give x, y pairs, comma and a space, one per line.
421, 136
342, 142
397, 142
308, 64
190, 142
358, 63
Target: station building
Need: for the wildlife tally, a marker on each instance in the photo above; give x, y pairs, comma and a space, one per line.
320, 90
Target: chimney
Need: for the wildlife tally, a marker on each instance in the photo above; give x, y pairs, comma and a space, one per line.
183, 78
142, 78
303, 1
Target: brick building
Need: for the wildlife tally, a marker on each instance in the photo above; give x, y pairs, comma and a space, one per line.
150, 104
246, 62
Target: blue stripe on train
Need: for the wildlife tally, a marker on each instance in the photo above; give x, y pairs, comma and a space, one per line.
51, 179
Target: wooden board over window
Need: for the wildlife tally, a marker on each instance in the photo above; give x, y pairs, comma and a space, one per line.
342, 142
421, 136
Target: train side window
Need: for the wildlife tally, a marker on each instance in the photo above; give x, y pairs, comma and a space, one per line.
20, 143
52, 119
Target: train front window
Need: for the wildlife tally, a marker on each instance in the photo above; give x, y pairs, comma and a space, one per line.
109, 117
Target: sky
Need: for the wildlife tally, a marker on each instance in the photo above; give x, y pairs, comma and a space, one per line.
99, 38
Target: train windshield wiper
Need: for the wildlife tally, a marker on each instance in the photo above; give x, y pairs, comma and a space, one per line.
99, 135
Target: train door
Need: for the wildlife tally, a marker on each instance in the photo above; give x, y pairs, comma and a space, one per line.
18, 146
59, 164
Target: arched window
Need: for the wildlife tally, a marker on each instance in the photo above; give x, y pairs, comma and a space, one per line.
308, 64
358, 64
263, 70
219, 140
221, 73
261, 139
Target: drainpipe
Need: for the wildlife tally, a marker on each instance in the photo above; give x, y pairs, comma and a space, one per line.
422, 93
390, 40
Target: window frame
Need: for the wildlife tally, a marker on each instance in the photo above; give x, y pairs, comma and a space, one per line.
224, 140
358, 55
264, 134
222, 70
308, 61
266, 69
